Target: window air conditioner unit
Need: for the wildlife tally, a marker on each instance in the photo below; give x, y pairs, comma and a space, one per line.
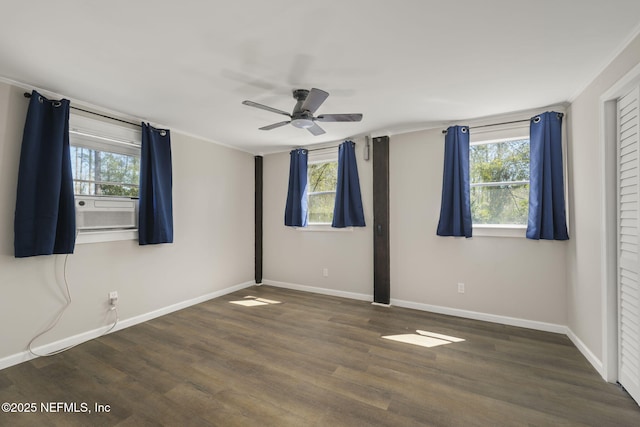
106, 213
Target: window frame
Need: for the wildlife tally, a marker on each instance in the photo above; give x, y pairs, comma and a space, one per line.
498, 183
329, 155
99, 135
321, 155
95, 183
511, 126
494, 135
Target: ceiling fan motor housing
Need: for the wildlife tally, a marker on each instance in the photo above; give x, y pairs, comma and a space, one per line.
300, 94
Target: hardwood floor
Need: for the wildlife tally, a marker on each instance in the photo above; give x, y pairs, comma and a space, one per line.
315, 360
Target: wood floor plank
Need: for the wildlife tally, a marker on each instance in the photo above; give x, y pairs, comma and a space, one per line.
317, 360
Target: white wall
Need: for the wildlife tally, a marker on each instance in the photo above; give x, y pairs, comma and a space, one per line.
511, 277
503, 276
585, 281
212, 249
297, 257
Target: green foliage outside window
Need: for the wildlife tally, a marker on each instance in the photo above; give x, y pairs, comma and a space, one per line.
104, 174
500, 162
322, 181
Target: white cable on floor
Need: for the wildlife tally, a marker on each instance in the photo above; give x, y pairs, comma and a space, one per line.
57, 319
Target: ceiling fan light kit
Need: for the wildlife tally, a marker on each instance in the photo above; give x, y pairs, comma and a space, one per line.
302, 116
302, 123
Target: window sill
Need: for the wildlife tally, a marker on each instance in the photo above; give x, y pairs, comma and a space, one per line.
322, 227
100, 236
499, 230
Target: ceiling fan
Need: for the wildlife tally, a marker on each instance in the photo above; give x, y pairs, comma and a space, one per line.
302, 115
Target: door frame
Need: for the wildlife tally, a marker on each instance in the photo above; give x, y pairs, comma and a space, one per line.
609, 243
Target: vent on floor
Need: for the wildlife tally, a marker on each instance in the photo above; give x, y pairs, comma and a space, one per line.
251, 301
424, 338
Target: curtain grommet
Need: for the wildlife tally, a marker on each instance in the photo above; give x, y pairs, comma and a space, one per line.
56, 104
163, 132
40, 99
464, 130
536, 119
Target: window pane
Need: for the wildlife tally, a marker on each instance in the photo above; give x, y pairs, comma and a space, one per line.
500, 161
103, 173
322, 181
321, 207
323, 176
505, 204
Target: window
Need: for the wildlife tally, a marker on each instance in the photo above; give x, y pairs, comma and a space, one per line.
105, 158
102, 173
322, 179
499, 181
105, 163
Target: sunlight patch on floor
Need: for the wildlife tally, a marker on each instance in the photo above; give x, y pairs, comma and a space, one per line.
251, 301
424, 338
441, 336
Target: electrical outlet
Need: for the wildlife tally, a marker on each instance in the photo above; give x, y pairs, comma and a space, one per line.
461, 288
113, 298
325, 272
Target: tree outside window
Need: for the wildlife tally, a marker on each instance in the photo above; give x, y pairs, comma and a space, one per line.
322, 181
102, 173
499, 175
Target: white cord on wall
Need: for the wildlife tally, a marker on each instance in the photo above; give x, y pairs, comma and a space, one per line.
62, 311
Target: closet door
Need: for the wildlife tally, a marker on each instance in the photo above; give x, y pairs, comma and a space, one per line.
628, 183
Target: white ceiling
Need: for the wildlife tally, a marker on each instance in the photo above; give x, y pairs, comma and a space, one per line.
404, 64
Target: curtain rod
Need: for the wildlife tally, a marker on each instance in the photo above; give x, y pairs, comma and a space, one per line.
328, 148
323, 148
28, 95
503, 123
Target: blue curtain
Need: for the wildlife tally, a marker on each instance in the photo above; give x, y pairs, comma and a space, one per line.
295, 213
455, 209
547, 217
347, 211
45, 219
155, 220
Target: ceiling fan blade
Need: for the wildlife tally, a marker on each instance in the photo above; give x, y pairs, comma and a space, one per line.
275, 125
265, 107
339, 118
316, 130
314, 100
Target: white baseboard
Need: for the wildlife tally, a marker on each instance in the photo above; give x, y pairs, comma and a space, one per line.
323, 291
595, 362
179, 306
505, 320
467, 314
512, 321
379, 304
494, 318
122, 324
